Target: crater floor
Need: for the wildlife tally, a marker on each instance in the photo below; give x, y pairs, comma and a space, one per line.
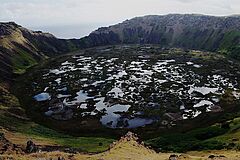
131, 87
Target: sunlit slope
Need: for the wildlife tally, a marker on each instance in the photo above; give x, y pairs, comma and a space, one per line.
129, 147
21, 48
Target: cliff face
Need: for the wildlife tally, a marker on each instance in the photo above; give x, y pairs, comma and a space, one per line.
187, 31
21, 48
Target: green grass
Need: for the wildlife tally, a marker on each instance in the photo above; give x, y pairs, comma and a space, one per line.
193, 140
230, 44
72, 47
21, 61
232, 137
215, 137
35, 131
9, 105
86, 144
230, 39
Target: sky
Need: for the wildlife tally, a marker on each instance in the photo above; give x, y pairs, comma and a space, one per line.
77, 18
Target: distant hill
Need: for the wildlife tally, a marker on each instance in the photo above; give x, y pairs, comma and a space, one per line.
21, 48
173, 30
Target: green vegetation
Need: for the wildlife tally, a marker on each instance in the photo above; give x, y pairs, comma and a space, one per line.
13, 119
22, 61
230, 44
86, 144
71, 46
38, 133
235, 52
216, 137
230, 39
193, 140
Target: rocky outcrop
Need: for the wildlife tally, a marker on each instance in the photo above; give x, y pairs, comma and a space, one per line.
6, 147
31, 147
130, 138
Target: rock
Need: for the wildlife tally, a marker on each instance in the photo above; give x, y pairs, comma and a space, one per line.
173, 157
1, 136
61, 158
222, 156
31, 147
211, 156
7, 147
215, 109
164, 122
217, 157
183, 156
173, 116
225, 125
235, 139
231, 145
84, 122
131, 136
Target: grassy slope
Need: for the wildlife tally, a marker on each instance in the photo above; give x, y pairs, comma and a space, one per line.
230, 44
128, 149
19, 129
22, 61
232, 136
215, 137
230, 39
224, 135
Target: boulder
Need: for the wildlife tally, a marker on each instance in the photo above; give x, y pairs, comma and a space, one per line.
173, 157
31, 147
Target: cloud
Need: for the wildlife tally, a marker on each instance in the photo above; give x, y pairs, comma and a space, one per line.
33, 13
186, 1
